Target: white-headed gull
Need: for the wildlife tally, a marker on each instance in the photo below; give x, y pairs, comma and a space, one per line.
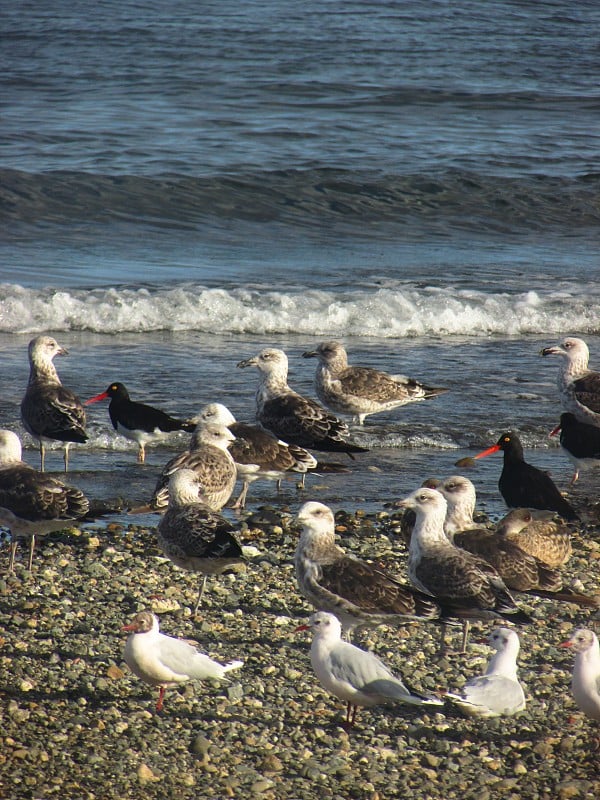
165, 661
291, 416
50, 411
355, 676
585, 683
496, 693
361, 391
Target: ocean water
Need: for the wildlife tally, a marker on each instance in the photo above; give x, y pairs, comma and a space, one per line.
183, 184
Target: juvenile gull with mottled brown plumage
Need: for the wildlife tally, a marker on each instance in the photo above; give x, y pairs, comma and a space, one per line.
361, 391
31, 502
357, 592
453, 576
209, 457
257, 453
578, 386
191, 535
291, 416
50, 411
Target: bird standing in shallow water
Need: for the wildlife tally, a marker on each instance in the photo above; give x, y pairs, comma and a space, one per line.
292, 417
136, 421
524, 486
361, 391
50, 411
578, 386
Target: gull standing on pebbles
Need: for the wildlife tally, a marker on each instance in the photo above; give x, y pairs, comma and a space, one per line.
519, 570
50, 411
33, 503
459, 580
192, 536
165, 661
361, 391
296, 419
355, 676
210, 459
138, 422
585, 684
357, 592
496, 693
257, 453
578, 386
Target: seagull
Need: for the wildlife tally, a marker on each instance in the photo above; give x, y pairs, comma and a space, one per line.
191, 535
578, 386
356, 591
523, 485
136, 421
33, 503
519, 570
585, 684
361, 391
257, 453
464, 582
209, 457
355, 676
50, 411
580, 441
296, 419
496, 693
545, 539
165, 661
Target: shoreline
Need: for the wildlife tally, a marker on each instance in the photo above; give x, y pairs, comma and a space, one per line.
77, 724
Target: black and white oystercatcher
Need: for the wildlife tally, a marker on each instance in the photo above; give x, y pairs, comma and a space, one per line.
357, 592
50, 411
31, 502
361, 391
292, 417
580, 441
524, 486
191, 535
578, 386
136, 421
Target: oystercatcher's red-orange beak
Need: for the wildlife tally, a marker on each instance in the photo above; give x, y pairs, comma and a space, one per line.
493, 449
101, 396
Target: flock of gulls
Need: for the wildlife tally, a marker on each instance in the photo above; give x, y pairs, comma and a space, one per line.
458, 569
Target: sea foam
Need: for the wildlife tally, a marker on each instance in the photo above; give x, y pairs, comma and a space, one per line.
390, 312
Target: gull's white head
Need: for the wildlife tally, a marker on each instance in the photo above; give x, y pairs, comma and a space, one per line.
215, 413
316, 518
10, 447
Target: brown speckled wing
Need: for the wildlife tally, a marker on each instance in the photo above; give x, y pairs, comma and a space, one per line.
33, 495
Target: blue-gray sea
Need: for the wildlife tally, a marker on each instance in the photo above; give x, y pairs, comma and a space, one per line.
184, 183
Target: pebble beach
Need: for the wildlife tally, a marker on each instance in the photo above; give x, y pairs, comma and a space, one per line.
77, 724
